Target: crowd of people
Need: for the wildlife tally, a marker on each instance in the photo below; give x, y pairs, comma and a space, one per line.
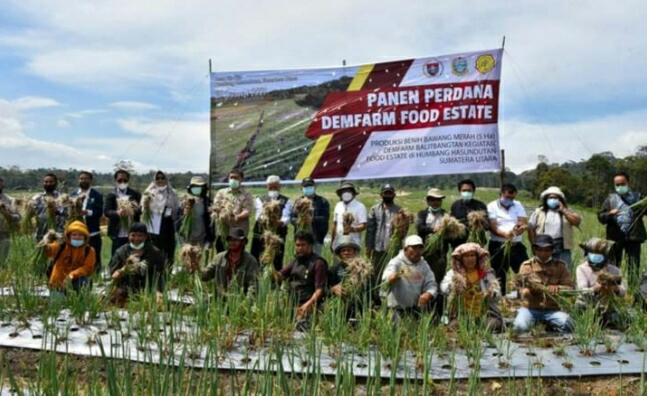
415, 278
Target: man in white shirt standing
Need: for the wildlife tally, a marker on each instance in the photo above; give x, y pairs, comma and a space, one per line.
273, 184
348, 204
508, 221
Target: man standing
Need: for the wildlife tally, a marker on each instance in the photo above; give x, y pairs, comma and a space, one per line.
465, 205
307, 275
540, 279
92, 212
239, 200
9, 219
117, 227
624, 226
49, 213
410, 282
320, 215
233, 266
349, 217
378, 230
508, 222
273, 194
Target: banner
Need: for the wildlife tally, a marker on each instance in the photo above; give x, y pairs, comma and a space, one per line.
414, 117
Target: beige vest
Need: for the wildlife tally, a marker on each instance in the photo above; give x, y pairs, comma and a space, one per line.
567, 228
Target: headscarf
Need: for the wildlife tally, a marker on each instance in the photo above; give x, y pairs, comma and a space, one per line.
470, 247
162, 197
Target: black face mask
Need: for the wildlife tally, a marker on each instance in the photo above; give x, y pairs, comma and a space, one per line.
84, 186
49, 189
388, 200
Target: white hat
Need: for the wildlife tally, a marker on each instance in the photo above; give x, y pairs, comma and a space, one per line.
552, 190
273, 179
413, 240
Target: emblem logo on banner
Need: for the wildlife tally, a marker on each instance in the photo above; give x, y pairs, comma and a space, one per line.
485, 63
433, 68
459, 66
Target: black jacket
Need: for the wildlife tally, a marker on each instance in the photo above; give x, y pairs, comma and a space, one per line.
95, 205
320, 220
155, 270
110, 210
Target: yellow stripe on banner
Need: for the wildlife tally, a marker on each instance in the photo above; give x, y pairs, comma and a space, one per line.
360, 77
322, 142
314, 156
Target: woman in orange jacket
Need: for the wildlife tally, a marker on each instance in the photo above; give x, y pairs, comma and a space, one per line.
73, 260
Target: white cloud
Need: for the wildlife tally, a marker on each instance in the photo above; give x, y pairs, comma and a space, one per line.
63, 123
31, 102
133, 105
620, 134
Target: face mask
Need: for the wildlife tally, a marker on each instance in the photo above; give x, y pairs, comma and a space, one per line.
49, 189
435, 210
273, 194
234, 183
309, 191
163, 188
77, 242
347, 196
388, 200
506, 202
137, 247
622, 190
467, 195
552, 203
596, 259
197, 191
84, 186
122, 186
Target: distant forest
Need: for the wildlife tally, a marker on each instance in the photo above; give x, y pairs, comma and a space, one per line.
586, 182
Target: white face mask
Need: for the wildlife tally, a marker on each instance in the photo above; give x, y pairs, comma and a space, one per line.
162, 188
347, 196
137, 247
122, 186
273, 194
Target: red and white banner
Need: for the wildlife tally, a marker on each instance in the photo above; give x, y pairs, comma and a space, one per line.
435, 115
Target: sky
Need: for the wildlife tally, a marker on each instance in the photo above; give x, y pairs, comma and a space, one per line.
85, 84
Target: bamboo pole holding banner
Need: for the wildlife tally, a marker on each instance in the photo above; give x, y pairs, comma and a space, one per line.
211, 131
502, 171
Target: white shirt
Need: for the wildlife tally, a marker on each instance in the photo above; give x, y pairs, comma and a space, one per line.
359, 213
505, 219
552, 225
285, 214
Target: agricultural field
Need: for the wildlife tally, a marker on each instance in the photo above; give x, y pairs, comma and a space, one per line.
253, 135
185, 345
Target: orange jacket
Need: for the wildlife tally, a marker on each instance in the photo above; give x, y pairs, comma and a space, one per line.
71, 261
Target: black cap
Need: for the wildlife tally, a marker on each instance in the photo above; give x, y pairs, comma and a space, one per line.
543, 241
237, 233
138, 227
307, 181
388, 187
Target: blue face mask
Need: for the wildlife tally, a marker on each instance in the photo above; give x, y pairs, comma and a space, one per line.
309, 191
552, 203
622, 190
596, 259
506, 202
467, 195
196, 191
77, 242
234, 183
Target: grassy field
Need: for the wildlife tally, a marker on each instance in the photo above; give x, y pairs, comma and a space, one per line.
264, 317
